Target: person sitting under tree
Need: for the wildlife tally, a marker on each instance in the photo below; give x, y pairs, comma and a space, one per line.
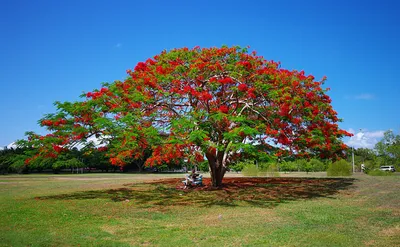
191, 178
193, 175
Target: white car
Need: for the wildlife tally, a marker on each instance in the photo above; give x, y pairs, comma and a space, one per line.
387, 168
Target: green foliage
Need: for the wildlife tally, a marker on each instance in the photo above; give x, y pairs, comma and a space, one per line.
13, 160
388, 149
378, 172
238, 166
5, 161
269, 171
69, 163
314, 165
364, 154
203, 166
59, 164
288, 166
317, 165
339, 168
303, 165
18, 166
250, 170
263, 169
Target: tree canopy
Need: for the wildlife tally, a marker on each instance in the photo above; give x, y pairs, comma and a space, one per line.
389, 148
187, 105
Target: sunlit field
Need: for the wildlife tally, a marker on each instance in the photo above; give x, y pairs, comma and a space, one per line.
295, 209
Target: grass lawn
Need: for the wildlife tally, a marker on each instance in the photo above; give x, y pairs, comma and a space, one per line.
150, 210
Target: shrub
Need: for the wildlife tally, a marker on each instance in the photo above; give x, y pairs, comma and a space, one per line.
58, 165
379, 173
250, 170
74, 162
270, 171
317, 165
238, 166
301, 165
264, 170
18, 166
339, 168
288, 166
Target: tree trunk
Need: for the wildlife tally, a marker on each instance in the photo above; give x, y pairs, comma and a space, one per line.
217, 170
139, 164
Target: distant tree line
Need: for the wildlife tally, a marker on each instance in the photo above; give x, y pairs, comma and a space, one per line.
385, 153
14, 160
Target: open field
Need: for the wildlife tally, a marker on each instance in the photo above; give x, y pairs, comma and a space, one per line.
296, 209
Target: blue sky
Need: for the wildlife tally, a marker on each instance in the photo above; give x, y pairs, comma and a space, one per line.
54, 50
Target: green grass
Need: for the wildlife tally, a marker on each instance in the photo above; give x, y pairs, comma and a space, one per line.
129, 210
379, 173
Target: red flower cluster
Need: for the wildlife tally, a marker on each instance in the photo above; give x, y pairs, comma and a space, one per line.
284, 110
102, 149
49, 122
26, 162
60, 122
226, 80
224, 109
161, 70
57, 148
95, 95
135, 105
251, 93
205, 96
310, 95
78, 136
141, 67
116, 161
199, 157
245, 64
271, 132
283, 139
165, 154
243, 87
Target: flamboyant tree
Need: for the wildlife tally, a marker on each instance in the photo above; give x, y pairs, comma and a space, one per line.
189, 104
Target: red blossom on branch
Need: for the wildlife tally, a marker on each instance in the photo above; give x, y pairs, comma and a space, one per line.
224, 109
242, 87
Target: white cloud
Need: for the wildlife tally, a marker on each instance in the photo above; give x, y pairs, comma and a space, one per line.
364, 138
9, 146
12, 145
97, 142
365, 96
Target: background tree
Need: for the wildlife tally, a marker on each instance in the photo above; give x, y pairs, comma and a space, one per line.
389, 149
221, 104
364, 154
288, 166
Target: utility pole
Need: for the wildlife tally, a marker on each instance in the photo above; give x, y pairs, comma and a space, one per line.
352, 151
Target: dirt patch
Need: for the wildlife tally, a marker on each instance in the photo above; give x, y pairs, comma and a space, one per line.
370, 243
391, 232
